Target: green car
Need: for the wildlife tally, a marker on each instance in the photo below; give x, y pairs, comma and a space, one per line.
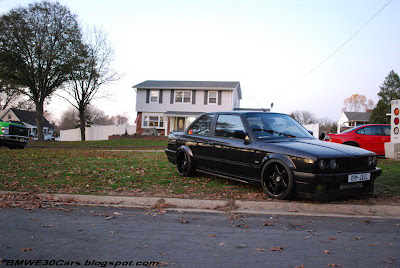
13, 135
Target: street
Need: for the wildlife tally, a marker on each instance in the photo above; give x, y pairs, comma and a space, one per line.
100, 236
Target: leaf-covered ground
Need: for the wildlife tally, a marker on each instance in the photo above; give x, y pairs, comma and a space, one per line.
96, 171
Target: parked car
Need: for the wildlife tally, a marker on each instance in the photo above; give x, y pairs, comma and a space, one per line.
370, 137
13, 135
273, 150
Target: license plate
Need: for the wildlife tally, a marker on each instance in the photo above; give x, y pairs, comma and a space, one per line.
21, 139
359, 177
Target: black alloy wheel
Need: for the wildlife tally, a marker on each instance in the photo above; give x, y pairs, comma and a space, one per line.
184, 164
277, 180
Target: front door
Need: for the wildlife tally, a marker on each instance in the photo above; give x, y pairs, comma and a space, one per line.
180, 124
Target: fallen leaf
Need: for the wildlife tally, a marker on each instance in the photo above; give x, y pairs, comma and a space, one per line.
241, 246
163, 253
293, 211
182, 220
48, 225
222, 243
92, 225
260, 249
276, 248
357, 238
309, 221
339, 232
368, 221
327, 251
33, 219
212, 235
332, 238
375, 244
334, 265
117, 213
307, 237
110, 217
26, 249
268, 223
397, 224
163, 263
242, 225
111, 232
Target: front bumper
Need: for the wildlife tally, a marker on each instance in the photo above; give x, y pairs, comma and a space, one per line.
171, 155
13, 140
325, 186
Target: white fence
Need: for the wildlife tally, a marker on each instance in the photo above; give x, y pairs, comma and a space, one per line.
96, 133
314, 128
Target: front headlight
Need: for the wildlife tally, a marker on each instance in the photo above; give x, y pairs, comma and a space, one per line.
332, 164
369, 161
374, 160
322, 164
5, 130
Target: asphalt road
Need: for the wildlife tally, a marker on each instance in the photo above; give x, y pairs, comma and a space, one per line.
87, 234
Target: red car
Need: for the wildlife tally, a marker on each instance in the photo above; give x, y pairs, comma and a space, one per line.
369, 137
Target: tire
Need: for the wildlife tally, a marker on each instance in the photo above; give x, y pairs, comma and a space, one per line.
184, 164
351, 143
277, 180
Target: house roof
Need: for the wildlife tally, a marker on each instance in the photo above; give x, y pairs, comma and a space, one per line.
357, 116
29, 118
194, 85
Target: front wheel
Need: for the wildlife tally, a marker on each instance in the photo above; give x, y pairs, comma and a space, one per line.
184, 164
277, 180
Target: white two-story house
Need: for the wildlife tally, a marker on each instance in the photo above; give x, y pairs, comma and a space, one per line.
173, 105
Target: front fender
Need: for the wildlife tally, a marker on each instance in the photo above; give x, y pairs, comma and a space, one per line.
185, 148
285, 159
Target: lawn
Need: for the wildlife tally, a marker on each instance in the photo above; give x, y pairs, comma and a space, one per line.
152, 142
97, 171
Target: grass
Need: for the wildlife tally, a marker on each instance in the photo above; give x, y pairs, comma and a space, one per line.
93, 171
152, 142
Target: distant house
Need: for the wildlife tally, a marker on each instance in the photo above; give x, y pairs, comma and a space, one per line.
352, 119
28, 118
173, 105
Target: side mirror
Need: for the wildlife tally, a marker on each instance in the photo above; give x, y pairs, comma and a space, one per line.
239, 134
311, 132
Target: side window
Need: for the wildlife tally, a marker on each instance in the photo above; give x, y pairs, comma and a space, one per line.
203, 126
386, 130
360, 131
227, 125
372, 130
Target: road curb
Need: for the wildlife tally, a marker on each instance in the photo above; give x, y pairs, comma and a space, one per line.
236, 206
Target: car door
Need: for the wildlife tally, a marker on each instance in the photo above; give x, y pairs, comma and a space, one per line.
231, 146
199, 142
370, 138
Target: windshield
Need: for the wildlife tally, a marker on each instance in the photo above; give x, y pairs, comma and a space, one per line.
269, 125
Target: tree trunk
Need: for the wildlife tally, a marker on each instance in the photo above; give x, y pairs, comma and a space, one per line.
82, 123
39, 121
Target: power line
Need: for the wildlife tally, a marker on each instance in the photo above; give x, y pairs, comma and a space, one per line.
334, 52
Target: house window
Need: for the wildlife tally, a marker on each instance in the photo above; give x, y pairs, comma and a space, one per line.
154, 95
212, 97
153, 121
183, 96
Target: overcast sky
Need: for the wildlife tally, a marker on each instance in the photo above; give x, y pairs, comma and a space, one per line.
266, 45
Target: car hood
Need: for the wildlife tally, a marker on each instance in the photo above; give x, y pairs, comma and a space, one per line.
312, 148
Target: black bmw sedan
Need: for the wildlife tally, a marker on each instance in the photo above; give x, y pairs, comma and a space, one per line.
273, 150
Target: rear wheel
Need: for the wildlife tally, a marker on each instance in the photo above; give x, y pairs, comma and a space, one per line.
184, 164
277, 180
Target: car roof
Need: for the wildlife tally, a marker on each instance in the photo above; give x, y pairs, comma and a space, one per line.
242, 112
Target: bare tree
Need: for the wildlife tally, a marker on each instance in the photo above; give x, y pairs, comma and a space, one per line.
303, 117
357, 103
93, 116
94, 71
119, 119
37, 49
